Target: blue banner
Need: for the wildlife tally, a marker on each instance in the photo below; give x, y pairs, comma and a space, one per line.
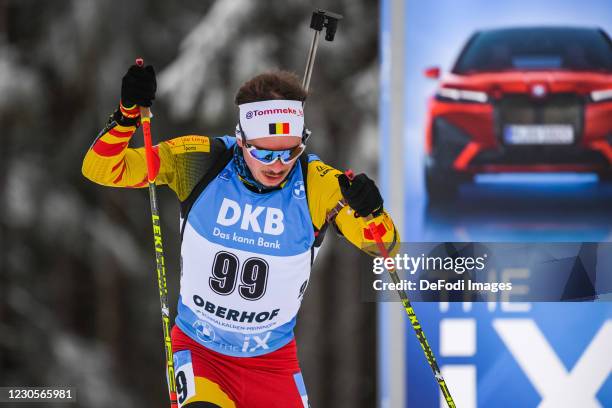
513, 355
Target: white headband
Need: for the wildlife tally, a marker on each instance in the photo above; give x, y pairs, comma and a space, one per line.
270, 118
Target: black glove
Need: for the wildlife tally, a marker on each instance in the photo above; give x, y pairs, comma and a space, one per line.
361, 194
138, 86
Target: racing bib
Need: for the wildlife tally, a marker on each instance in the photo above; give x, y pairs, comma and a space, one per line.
246, 261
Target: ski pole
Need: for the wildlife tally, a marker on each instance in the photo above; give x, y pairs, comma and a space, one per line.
420, 334
320, 19
145, 120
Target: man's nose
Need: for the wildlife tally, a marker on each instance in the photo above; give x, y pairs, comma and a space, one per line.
277, 165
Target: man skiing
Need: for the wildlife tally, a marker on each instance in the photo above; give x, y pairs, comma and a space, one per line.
254, 212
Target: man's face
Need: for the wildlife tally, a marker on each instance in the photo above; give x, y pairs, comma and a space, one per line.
270, 175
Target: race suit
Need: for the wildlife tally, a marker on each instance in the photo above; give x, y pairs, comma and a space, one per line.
246, 258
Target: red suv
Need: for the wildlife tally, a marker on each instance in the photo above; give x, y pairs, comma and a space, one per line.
530, 99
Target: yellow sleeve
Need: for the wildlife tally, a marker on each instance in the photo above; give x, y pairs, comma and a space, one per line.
181, 161
323, 196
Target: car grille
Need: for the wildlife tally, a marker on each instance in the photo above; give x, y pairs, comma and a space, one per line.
567, 109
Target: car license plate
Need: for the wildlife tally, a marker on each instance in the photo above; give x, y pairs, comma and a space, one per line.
539, 134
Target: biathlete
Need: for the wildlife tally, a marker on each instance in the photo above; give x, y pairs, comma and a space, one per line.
254, 210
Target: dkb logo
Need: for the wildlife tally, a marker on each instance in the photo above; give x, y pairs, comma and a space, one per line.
231, 212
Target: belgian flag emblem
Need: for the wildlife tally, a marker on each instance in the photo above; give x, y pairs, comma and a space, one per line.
279, 128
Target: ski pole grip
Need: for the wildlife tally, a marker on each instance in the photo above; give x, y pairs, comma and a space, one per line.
144, 111
351, 175
371, 225
145, 120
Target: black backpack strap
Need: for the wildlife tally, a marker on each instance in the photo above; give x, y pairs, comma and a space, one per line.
319, 233
304, 166
222, 161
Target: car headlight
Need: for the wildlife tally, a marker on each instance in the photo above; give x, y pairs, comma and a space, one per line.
461, 95
602, 95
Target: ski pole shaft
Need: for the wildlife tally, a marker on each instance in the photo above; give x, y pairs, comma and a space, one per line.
420, 334
145, 120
